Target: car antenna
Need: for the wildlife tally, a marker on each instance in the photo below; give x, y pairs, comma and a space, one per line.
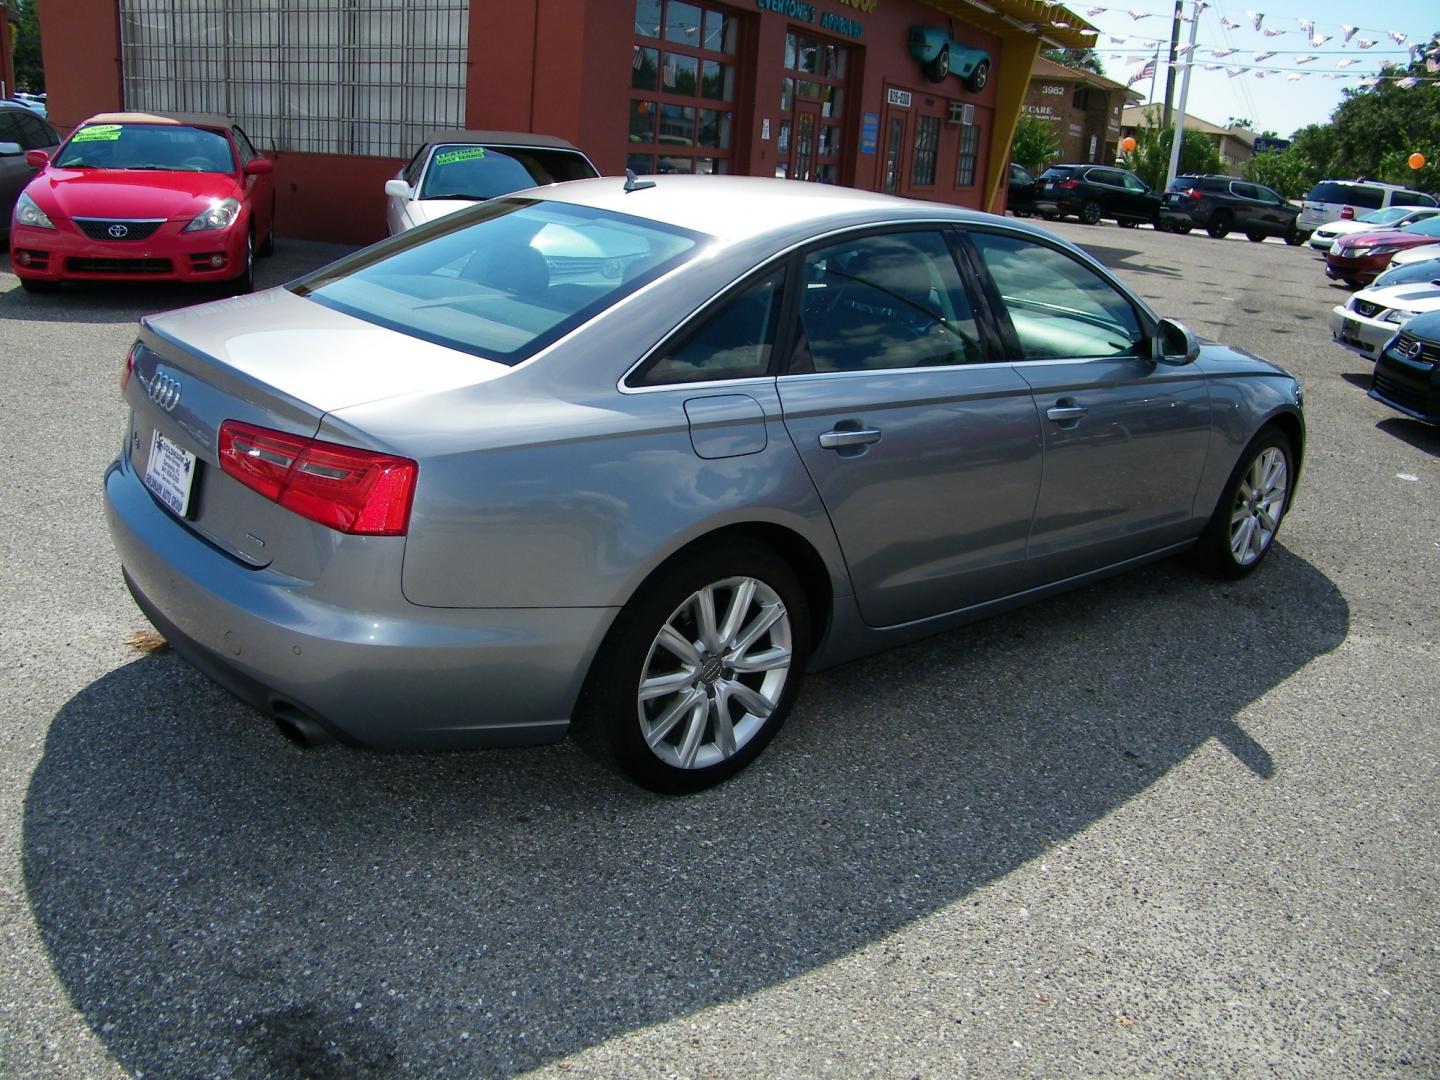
634, 183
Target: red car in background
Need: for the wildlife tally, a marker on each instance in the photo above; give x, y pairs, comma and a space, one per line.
1358, 258
145, 197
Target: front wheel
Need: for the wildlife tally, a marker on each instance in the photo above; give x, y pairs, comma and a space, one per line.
979, 77
244, 282
1243, 528
1127, 223
701, 668
1255, 237
1295, 238
938, 70
1090, 212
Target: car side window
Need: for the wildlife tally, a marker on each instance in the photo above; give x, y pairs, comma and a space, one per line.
35, 134
1133, 183
894, 300
1108, 177
1060, 308
10, 127
243, 149
1265, 195
733, 341
1244, 191
412, 170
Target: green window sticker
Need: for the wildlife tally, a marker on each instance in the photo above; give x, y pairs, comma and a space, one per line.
450, 157
97, 133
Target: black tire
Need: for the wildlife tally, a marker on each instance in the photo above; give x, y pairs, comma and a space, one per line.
1295, 237
1127, 223
1090, 213
1214, 552
938, 70
610, 714
244, 282
979, 77
1183, 230
1255, 237
31, 285
1052, 217
1220, 223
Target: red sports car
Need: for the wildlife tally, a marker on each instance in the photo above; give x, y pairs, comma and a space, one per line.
145, 197
1358, 258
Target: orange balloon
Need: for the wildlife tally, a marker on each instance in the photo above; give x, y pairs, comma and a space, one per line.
1417, 161
1128, 144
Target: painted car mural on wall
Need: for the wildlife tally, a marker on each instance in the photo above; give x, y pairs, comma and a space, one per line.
943, 56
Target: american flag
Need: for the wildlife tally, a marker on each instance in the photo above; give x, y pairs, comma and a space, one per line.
1143, 73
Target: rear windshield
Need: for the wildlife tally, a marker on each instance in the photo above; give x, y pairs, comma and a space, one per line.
467, 171
1058, 172
504, 279
170, 147
1333, 191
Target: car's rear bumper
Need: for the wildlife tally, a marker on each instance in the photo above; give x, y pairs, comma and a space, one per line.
64, 253
398, 678
1359, 334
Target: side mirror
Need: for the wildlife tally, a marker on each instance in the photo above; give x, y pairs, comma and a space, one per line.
1175, 344
10, 149
36, 159
398, 189
259, 167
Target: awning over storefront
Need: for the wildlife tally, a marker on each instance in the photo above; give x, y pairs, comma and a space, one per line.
1058, 27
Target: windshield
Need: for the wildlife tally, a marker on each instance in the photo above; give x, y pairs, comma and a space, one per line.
502, 280
1428, 227
1384, 217
466, 171
174, 147
1427, 270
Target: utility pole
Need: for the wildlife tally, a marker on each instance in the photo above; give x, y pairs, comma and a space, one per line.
1179, 136
1170, 74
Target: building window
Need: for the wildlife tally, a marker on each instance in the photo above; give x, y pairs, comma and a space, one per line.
684, 61
927, 140
328, 77
969, 150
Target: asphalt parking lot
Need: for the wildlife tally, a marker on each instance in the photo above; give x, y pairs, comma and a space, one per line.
1159, 826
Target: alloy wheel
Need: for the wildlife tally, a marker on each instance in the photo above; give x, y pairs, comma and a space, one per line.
1259, 504
715, 673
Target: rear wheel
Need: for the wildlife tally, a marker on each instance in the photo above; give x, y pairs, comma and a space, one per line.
1255, 237
31, 285
1295, 237
1127, 223
700, 669
1219, 226
1090, 212
1256, 498
938, 70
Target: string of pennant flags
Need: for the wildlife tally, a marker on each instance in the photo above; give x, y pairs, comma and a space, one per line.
1192, 56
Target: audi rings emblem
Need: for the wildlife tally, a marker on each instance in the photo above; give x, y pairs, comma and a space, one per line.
118, 231
164, 391
1412, 349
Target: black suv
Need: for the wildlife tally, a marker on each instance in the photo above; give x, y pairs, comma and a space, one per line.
1092, 192
1223, 204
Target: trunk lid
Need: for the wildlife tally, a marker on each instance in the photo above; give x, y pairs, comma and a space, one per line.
277, 361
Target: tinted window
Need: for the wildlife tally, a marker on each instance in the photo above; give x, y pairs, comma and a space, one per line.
1133, 183
1267, 196
35, 134
1057, 172
9, 126
174, 147
893, 301
465, 171
1244, 191
1104, 176
1019, 176
1059, 307
1214, 183
1334, 191
731, 342
504, 279
1410, 198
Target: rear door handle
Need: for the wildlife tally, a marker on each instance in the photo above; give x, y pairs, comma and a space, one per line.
1061, 413
836, 440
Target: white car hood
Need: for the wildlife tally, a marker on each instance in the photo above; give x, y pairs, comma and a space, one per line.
1421, 296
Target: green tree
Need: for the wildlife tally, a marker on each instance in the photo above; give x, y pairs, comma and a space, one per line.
1283, 170
1036, 144
1084, 59
1150, 160
29, 68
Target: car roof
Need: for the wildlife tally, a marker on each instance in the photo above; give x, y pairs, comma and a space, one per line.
499, 138
737, 208
202, 120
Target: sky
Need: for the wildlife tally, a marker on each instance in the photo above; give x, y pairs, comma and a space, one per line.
1273, 102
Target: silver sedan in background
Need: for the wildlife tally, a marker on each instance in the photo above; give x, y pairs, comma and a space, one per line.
637, 454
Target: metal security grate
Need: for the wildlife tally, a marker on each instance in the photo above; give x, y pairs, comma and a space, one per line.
366, 77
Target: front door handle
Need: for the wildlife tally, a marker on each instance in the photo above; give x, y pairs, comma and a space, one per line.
838, 440
1063, 413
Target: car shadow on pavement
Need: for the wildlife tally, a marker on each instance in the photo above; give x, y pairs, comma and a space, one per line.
1114, 258
218, 902
1416, 433
127, 301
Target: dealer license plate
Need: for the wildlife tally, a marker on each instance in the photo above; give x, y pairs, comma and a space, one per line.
170, 473
1350, 331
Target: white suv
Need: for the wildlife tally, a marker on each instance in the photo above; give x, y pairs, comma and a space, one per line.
1333, 200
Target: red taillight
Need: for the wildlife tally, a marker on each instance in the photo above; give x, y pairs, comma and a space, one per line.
1348, 213
128, 366
1194, 193
352, 491
1068, 185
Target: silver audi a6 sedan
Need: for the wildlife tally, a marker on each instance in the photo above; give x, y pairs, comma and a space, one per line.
641, 454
